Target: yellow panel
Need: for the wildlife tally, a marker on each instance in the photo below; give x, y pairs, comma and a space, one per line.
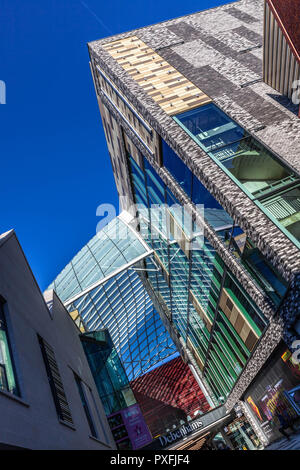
167, 87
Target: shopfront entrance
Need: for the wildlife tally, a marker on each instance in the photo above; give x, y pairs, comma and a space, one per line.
274, 395
241, 435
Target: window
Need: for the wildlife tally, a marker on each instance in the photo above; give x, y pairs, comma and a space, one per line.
284, 207
85, 405
7, 373
214, 213
55, 382
263, 177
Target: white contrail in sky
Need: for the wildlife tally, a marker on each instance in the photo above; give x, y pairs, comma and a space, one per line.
96, 17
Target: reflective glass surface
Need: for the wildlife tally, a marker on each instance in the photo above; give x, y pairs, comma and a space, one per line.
214, 213
253, 166
193, 285
7, 373
121, 303
267, 180
261, 269
211, 127
113, 247
108, 372
284, 207
177, 168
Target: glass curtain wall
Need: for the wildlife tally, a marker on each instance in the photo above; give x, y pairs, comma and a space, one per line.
231, 234
108, 372
195, 285
99, 286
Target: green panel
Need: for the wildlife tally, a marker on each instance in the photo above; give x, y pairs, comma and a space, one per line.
225, 362
223, 373
226, 349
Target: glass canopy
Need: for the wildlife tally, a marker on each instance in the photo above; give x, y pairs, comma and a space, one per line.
102, 285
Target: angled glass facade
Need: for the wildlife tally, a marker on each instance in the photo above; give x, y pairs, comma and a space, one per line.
101, 285
215, 318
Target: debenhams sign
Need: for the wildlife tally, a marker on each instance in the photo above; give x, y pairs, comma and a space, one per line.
180, 433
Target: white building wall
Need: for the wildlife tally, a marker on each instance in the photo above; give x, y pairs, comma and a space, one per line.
31, 421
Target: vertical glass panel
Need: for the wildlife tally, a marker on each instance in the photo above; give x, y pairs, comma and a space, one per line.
177, 168
264, 273
7, 376
214, 213
253, 316
155, 185
85, 406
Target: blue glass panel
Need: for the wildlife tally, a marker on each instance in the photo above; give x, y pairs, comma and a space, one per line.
177, 168
214, 213
211, 127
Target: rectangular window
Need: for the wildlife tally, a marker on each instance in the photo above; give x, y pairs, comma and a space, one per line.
284, 208
7, 373
55, 382
252, 166
85, 405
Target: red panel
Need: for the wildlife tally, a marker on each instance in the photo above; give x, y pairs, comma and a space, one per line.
287, 13
173, 384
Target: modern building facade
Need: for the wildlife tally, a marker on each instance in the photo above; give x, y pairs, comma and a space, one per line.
100, 288
191, 125
48, 397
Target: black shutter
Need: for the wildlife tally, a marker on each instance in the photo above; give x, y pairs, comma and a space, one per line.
55, 382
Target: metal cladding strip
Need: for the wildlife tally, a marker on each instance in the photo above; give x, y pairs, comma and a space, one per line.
143, 122
272, 4
267, 237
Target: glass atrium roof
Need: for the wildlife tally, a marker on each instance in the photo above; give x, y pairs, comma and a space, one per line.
109, 250
101, 284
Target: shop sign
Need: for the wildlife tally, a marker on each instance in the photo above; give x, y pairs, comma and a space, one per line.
183, 431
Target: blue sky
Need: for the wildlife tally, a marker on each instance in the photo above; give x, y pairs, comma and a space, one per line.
55, 168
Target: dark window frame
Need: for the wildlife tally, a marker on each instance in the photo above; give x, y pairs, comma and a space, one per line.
85, 405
